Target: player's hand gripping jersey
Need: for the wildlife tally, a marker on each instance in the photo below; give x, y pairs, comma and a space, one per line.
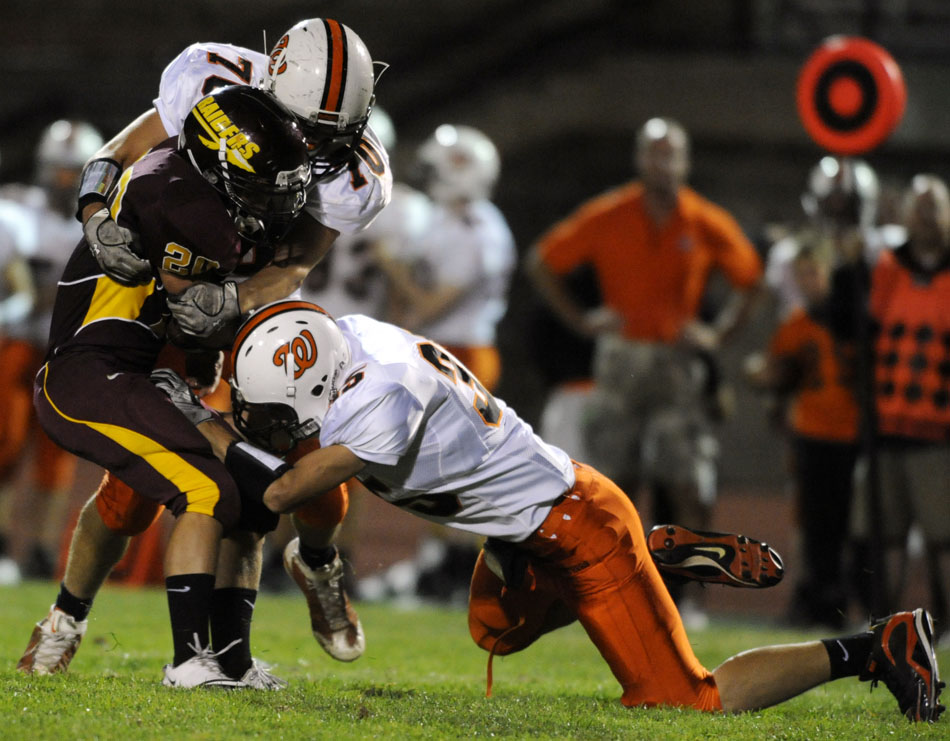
346, 202
435, 441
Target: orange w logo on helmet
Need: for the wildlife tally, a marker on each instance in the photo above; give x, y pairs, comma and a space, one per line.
303, 348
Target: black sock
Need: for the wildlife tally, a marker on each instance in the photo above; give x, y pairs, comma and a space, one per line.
231, 612
849, 655
73, 605
189, 606
317, 557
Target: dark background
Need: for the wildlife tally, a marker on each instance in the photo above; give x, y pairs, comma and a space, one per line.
560, 86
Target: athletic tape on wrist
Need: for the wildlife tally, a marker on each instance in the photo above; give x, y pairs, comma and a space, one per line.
96, 182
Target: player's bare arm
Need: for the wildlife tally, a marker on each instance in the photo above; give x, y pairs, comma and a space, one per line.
307, 244
127, 146
204, 308
311, 476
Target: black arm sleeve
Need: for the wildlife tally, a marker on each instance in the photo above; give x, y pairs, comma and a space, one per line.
253, 470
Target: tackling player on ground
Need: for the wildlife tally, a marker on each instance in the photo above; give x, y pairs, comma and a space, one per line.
411, 422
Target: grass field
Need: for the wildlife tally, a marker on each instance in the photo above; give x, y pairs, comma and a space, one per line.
421, 677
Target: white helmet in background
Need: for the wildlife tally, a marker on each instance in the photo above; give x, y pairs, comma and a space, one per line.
322, 71
842, 191
382, 126
288, 360
458, 163
65, 145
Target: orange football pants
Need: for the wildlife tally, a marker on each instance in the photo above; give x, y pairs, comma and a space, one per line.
589, 561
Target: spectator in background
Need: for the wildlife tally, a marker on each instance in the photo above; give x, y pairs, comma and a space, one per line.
38, 232
654, 245
807, 368
908, 307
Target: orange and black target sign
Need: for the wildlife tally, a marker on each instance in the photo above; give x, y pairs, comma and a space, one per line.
851, 95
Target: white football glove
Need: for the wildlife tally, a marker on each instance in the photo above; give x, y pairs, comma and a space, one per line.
112, 246
184, 399
204, 308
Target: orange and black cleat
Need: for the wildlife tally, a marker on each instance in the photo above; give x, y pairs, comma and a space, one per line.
717, 558
903, 657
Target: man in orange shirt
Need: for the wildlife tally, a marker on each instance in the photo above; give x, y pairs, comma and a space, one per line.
653, 245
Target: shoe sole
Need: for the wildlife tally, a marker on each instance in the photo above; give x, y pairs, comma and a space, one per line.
715, 558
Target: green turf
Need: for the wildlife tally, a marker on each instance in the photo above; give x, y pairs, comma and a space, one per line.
421, 677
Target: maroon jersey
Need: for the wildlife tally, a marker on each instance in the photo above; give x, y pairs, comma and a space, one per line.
182, 227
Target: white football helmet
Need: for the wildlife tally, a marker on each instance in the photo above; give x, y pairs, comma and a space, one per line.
458, 163
288, 358
322, 71
842, 191
62, 150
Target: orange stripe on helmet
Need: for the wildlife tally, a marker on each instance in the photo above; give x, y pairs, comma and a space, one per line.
258, 317
336, 66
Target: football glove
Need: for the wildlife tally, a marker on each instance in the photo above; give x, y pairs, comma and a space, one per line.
181, 395
111, 245
204, 308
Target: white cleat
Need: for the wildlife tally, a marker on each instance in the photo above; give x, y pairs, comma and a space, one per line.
259, 677
53, 643
201, 670
334, 623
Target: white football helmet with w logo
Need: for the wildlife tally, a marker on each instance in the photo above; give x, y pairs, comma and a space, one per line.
288, 358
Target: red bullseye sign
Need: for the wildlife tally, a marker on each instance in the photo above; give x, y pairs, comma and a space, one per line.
850, 95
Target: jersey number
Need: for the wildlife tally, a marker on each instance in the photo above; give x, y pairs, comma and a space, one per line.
366, 153
427, 505
443, 361
243, 70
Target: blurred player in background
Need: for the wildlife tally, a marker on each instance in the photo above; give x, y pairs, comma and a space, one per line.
654, 245
38, 233
351, 183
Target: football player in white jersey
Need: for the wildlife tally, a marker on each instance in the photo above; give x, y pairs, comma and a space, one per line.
462, 262
37, 236
410, 421
321, 70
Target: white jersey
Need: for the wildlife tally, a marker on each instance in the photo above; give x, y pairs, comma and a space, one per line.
435, 442
348, 280
347, 202
45, 238
475, 252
